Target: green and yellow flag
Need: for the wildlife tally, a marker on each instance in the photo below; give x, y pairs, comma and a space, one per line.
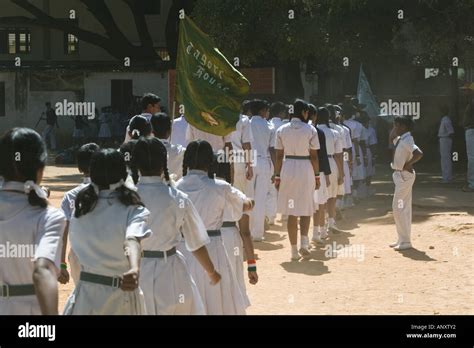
208, 86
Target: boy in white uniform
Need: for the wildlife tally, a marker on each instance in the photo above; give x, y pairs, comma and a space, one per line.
150, 106
84, 155
406, 154
28, 224
259, 186
445, 135
161, 124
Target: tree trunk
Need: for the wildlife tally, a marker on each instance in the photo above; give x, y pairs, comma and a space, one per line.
288, 81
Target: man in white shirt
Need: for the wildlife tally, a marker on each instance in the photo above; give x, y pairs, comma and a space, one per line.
263, 144
217, 142
150, 106
445, 135
406, 154
178, 135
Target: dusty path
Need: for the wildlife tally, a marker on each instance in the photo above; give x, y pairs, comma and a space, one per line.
435, 278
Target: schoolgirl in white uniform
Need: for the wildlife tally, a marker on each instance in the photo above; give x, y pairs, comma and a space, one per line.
165, 278
235, 240
298, 175
27, 283
212, 197
347, 159
84, 155
108, 225
334, 148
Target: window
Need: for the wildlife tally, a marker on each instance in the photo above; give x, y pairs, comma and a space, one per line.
71, 44
152, 7
15, 40
2, 98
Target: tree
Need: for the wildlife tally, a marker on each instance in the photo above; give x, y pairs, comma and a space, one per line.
114, 41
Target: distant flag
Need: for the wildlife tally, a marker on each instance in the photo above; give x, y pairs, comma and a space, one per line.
365, 95
208, 86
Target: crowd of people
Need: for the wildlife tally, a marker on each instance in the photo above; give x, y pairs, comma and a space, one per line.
166, 223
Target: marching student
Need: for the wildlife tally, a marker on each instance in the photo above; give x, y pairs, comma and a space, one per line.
347, 158
161, 124
84, 155
321, 194
165, 278
108, 225
334, 152
278, 114
297, 176
357, 153
244, 159
371, 149
363, 118
178, 134
212, 197
150, 106
235, 240
217, 142
406, 154
259, 185
445, 135
27, 221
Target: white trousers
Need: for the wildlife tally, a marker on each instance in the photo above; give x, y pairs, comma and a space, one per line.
258, 189
445, 148
401, 205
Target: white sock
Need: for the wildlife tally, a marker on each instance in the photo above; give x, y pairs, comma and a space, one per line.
316, 231
294, 249
304, 241
331, 221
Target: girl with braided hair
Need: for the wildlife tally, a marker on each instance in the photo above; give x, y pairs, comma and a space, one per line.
165, 278
212, 197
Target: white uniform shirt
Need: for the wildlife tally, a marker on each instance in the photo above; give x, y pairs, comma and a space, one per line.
69, 199
29, 230
217, 142
404, 147
340, 134
446, 127
333, 140
296, 138
98, 237
242, 133
355, 127
347, 136
276, 122
212, 197
178, 134
372, 136
175, 158
265, 138
173, 215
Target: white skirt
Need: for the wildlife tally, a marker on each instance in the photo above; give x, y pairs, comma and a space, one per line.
74, 266
224, 298
168, 287
333, 186
297, 186
96, 299
347, 178
20, 305
321, 194
358, 171
235, 249
370, 170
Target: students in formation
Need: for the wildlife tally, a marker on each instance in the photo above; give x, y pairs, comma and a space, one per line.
179, 241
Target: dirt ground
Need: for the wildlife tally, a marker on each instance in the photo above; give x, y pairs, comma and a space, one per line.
367, 277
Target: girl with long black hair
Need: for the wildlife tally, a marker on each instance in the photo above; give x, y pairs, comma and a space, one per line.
212, 197
28, 222
105, 233
165, 278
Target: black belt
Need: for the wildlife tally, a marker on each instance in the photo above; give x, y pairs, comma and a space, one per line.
154, 254
330, 156
297, 157
114, 282
17, 290
213, 233
229, 224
